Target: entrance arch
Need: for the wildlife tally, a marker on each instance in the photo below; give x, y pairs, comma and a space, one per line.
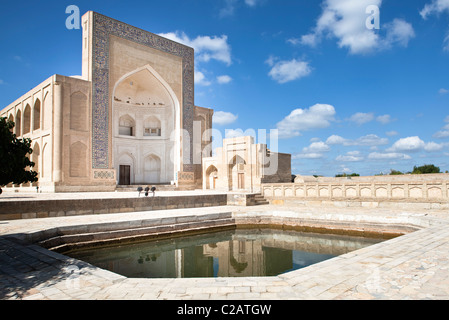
211, 177
144, 96
152, 169
236, 173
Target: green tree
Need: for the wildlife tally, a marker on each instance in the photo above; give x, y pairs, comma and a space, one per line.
342, 175
395, 172
15, 165
425, 169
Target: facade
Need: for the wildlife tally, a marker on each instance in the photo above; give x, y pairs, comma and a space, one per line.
241, 165
128, 119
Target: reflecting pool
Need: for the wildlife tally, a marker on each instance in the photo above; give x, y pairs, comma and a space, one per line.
232, 253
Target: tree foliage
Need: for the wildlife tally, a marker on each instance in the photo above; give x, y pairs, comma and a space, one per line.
425, 169
341, 175
15, 165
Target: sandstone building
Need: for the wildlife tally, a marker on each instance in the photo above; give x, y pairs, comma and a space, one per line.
129, 119
242, 165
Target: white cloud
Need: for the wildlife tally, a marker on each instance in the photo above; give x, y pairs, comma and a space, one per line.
370, 140
200, 79
386, 118
367, 140
392, 133
346, 21
441, 134
409, 144
352, 156
433, 147
316, 147
436, 6
223, 118
252, 3
285, 71
316, 117
224, 79
206, 47
446, 43
315, 150
2, 82
443, 91
361, 118
398, 32
334, 139
308, 156
388, 156
230, 5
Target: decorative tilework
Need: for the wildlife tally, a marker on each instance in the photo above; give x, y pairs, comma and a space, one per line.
104, 174
103, 27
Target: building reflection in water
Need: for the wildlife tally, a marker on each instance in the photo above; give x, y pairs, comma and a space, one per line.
236, 253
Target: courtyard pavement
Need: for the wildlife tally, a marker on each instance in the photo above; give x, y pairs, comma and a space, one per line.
412, 266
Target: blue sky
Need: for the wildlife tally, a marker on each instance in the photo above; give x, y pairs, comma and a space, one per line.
345, 97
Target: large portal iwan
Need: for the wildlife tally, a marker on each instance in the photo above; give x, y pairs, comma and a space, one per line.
146, 122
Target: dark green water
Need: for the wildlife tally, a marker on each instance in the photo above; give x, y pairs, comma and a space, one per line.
234, 253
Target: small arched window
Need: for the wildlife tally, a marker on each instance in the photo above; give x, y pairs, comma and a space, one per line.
126, 126
152, 127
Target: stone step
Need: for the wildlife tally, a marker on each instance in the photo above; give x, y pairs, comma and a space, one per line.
260, 200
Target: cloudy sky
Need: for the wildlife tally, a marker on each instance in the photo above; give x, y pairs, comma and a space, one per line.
350, 85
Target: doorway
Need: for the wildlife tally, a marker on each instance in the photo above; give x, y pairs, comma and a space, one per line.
125, 175
241, 181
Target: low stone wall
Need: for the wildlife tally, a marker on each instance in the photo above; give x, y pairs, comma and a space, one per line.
10, 210
416, 190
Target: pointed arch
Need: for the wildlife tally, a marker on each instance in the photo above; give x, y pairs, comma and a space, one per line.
36, 159
37, 114
236, 173
18, 123
152, 169
11, 118
139, 99
126, 168
78, 111
46, 111
27, 119
211, 177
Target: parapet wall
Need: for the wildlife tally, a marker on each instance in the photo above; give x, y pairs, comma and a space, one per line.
10, 210
408, 188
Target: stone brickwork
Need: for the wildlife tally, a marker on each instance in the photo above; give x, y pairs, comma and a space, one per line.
410, 188
11, 210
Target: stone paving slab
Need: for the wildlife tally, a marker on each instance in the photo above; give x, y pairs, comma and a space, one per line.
413, 266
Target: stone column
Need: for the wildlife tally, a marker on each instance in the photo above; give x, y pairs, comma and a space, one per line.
57, 132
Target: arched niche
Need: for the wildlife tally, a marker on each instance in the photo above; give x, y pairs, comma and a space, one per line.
148, 99
211, 177
35, 158
18, 123
236, 173
78, 111
126, 125
27, 119
152, 169
37, 114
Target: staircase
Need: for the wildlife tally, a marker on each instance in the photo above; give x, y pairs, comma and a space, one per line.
260, 200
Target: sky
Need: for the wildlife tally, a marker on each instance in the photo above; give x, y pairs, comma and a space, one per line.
344, 86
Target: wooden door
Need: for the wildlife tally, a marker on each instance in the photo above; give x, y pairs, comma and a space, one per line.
241, 180
125, 175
